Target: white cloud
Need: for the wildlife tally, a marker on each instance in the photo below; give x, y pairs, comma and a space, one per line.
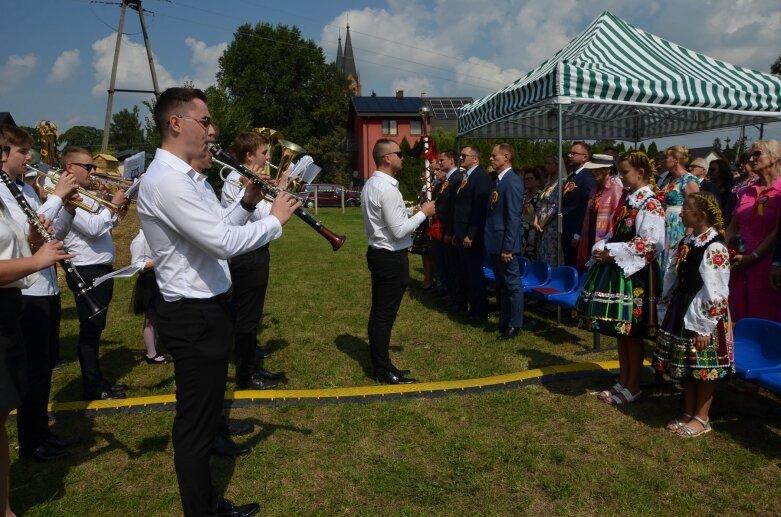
15, 70
132, 69
205, 60
66, 64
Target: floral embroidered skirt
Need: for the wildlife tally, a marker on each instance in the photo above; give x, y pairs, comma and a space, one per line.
676, 355
616, 305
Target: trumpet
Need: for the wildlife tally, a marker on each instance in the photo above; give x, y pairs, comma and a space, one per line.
109, 183
271, 192
54, 176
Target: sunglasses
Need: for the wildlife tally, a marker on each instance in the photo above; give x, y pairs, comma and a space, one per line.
755, 154
89, 166
205, 122
465, 156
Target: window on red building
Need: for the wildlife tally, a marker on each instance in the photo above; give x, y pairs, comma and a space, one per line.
389, 127
414, 127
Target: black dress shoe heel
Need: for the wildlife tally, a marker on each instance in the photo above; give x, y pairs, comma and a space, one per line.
225, 508
223, 446
509, 333
393, 378
44, 452
256, 382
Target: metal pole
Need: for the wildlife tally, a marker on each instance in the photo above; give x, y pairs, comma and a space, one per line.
559, 252
107, 124
148, 49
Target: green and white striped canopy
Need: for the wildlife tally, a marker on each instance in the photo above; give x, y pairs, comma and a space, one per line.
615, 81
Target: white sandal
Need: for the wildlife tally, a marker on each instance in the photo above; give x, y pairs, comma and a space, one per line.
675, 424
623, 397
687, 432
606, 394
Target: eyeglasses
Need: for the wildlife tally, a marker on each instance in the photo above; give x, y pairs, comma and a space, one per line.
89, 166
575, 152
205, 122
397, 153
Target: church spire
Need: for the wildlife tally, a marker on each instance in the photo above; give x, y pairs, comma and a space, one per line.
348, 65
340, 55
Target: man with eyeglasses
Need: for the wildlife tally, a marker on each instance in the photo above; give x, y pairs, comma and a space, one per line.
469, 212
191, 237
445, 208
388, 225
41, 303
90, 240
576, 193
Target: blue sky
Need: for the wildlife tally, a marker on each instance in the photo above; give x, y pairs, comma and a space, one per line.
56, 55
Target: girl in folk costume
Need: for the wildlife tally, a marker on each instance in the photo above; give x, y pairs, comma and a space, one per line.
695, 338
620, 290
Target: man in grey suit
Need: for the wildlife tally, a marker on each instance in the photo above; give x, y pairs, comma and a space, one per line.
503, 240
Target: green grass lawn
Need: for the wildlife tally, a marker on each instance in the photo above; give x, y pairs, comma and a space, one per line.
547, 448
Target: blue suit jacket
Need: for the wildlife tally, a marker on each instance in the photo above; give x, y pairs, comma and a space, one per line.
503, 220
445, 203
575, 202
471, 204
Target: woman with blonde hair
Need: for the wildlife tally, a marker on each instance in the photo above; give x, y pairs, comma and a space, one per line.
752, 233
672, 191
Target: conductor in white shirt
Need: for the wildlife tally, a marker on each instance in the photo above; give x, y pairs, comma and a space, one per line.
191, 237
388, 225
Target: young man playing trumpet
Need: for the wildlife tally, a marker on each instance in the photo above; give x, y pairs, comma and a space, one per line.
249, 272
90, 240
41, 305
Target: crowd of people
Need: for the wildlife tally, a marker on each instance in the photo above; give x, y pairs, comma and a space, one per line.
674, 251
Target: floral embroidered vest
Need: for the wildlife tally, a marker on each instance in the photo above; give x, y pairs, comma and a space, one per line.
688, 260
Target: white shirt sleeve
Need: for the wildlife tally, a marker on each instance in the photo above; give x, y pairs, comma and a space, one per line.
710, 303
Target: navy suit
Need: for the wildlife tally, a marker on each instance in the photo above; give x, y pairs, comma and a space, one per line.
471, 205
503, 233
573, 209
445, 204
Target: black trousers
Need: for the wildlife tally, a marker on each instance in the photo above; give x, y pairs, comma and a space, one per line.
390, 276
40, 324
91, 329
249, 274
471, 273
198, 334
569, 253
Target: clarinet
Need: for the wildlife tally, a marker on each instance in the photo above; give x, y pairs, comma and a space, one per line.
271, 192
83, 287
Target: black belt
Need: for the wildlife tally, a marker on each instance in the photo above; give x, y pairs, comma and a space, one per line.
220, 298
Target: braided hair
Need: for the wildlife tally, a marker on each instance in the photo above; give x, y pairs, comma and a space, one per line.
640, 160
706, 202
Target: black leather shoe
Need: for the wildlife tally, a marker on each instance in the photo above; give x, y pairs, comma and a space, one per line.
224, 446
256, 382
265, 374
237, 427
226, 508
45, 452
62, 442
510, 333
105, 395
394, 378
262, 352
116, 388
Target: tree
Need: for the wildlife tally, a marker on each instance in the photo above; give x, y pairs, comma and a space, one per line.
281, 81
125, 131
83, 136
653, 150
775, 68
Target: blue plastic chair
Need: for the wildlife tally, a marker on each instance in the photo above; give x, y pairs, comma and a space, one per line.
569, 298
757, 347
770, 381
488, 271
523, 265
563, 280
537, 275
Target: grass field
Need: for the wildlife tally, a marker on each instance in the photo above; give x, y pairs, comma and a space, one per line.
548, 448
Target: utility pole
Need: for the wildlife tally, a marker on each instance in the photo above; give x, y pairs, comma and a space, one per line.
136, 6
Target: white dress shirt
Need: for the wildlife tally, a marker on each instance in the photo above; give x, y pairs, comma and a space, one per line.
13, 244
231, 193
90, 236
386, 221
46, 283
140, 252
190, 234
